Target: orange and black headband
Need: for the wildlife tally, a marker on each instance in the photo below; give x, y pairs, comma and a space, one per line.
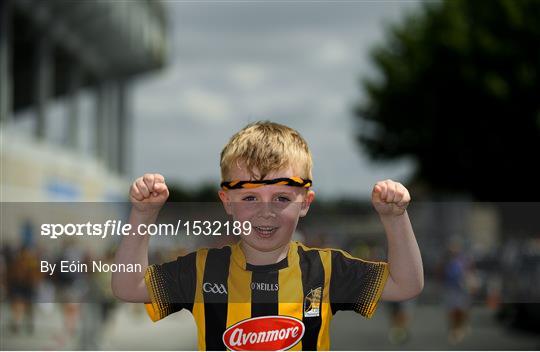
293, 181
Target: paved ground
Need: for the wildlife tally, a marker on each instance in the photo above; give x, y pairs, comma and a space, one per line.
130, 329
351, 331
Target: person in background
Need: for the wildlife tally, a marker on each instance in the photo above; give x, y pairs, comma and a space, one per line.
459, 285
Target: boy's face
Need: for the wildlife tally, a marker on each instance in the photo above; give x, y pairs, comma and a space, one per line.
272, 210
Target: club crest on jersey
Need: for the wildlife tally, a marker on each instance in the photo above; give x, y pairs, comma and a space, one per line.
268, 333
312, 303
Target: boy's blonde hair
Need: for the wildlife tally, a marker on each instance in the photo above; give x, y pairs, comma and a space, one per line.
266, 146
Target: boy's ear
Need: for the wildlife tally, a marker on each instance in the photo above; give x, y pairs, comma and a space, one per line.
310, 197
225, 200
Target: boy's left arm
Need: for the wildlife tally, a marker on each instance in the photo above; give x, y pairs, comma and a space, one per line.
406, 278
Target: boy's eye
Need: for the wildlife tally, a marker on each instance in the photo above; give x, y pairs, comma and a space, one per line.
249, 198
283, 199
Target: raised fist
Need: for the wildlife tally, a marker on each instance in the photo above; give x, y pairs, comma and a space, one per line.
148, 193
390, 198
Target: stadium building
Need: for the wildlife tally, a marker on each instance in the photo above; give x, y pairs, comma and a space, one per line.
66, 70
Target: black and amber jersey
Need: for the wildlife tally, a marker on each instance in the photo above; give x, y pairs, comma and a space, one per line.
286, 305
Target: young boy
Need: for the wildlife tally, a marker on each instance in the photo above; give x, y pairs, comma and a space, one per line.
267, 292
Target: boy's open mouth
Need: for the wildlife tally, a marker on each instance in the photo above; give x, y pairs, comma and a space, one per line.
265, 231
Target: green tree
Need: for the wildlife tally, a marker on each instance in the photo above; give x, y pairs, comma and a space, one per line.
458, 89
206, 192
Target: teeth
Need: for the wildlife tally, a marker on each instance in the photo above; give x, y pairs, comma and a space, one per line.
265, 230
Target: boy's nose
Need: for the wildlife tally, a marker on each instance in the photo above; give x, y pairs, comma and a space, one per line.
267, 210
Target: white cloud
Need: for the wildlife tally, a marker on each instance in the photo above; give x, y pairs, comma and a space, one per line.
333, 53
247, 76
206, 105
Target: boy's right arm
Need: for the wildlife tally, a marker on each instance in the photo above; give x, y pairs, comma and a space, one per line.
147, 195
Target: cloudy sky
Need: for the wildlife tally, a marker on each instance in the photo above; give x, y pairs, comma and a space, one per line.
296, 63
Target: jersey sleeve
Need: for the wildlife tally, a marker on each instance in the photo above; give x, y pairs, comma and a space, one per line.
356, 284
171, 286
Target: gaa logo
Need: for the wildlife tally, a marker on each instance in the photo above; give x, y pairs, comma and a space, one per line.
269, 333
214, 288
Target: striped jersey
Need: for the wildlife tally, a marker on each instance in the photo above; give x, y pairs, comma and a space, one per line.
286, 305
